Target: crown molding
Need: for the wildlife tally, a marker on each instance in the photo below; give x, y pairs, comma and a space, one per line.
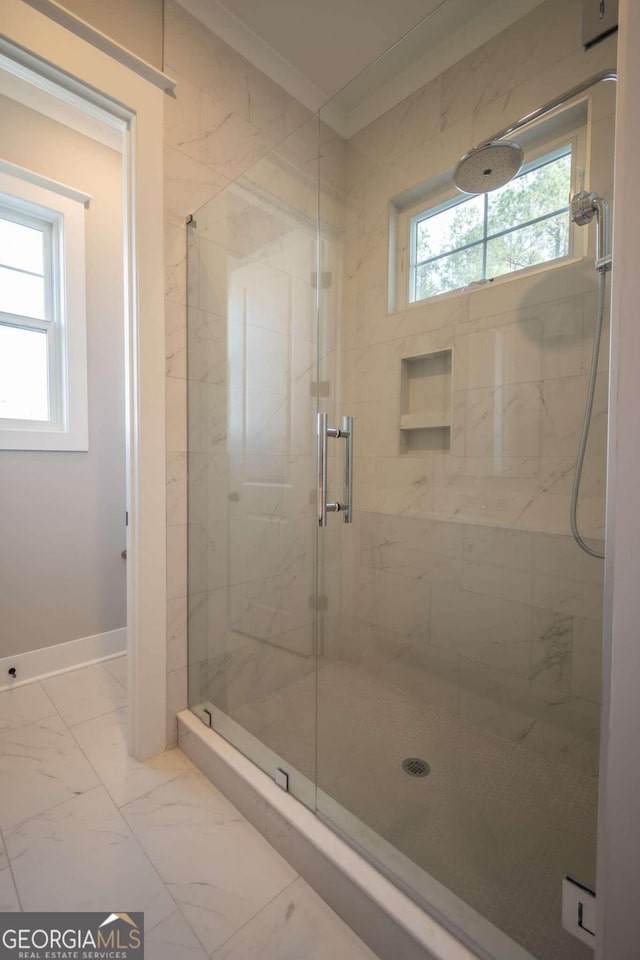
256, 50
414, 61
391, 88
86, 31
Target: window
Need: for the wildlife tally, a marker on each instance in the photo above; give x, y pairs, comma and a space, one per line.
469, 239
43, 404
27, 317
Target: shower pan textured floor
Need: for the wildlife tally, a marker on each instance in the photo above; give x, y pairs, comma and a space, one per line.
495, 823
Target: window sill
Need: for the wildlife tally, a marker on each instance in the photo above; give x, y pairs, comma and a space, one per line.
45, 440
507, 278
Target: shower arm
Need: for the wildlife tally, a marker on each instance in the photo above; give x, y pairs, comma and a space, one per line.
552, 105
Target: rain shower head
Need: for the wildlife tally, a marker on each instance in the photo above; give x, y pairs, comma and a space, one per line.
488, 166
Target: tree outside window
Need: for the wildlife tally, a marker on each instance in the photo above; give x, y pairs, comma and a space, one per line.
522, 224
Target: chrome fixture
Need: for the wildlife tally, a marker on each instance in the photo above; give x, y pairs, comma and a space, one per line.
470, 176
488, 166
345, 506
584, 208
497, 161
416, 767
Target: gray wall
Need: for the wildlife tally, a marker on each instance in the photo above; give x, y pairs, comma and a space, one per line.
136, 24
62, 514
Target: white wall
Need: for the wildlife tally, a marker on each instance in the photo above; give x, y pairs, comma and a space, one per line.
62, 515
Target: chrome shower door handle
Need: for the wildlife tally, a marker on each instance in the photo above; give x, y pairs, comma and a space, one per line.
322, 469
347, 433
324, 431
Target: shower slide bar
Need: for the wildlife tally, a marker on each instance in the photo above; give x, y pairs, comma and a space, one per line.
345, 432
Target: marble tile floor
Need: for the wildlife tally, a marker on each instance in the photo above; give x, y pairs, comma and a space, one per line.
84, 826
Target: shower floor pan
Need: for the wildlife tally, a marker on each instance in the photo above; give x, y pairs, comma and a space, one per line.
493, 825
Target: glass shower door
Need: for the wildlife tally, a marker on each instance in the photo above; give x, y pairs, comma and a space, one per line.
460, 626
252, 402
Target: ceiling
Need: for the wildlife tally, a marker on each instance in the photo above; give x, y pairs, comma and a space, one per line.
331, 41
316, 49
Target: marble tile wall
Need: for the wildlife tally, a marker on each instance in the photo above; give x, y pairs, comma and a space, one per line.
226, 116
499, 626
461, 583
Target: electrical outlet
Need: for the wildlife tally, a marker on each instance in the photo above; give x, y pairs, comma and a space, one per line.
579, 911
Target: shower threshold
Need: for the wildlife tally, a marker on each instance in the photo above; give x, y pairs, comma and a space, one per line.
387, 899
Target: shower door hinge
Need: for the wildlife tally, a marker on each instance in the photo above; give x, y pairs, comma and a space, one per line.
325, 280
191, 221
319, 388
281, 778
318, 602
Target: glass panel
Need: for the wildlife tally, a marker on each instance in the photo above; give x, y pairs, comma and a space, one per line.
21, 294
252, 401
460, 631
453, 228
449, 273
24, 378
21, 247
532, 195
536, 243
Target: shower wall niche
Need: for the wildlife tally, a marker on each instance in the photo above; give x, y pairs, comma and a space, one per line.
426, 398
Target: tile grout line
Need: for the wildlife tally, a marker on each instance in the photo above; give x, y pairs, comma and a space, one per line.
99, 785
256, 914
243, 819
111, 710
10, 868
44, 813
132, 831
120, 806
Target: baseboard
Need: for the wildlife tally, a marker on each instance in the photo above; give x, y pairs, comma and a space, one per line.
61, 657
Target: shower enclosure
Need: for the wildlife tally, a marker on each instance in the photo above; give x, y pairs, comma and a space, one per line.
426, 674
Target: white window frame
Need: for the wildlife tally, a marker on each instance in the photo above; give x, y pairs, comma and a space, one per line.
566, 149
60, 212
432, 199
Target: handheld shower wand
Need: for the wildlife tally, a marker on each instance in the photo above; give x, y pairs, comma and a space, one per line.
584, 208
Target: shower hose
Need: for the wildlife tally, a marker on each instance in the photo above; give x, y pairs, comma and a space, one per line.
575, 493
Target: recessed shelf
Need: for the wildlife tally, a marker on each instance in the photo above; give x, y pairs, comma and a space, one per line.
424, 421
426, 402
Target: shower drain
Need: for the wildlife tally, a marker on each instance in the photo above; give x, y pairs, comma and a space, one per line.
416, 767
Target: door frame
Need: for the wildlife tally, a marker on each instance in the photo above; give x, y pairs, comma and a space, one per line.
86, 70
